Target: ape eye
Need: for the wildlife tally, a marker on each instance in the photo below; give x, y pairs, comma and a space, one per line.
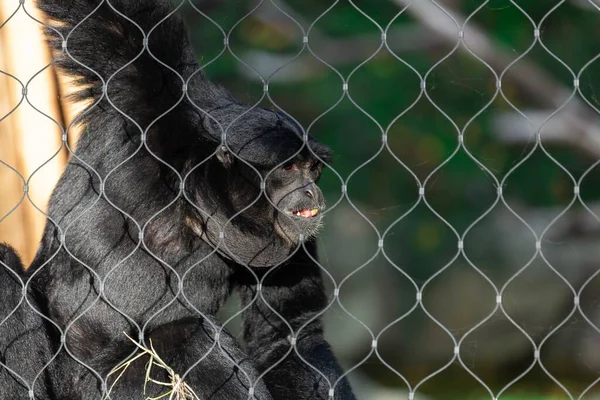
315, 166
289, 166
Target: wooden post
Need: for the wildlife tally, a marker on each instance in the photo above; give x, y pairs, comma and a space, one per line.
30, 142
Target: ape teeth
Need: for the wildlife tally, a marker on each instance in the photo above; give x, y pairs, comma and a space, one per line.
306, 212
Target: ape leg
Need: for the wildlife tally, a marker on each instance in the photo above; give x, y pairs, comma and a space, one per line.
225, 374
181, 344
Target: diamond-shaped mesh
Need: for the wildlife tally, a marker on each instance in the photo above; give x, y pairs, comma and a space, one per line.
449, 269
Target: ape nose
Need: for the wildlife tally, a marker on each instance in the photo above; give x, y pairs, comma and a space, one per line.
310, 193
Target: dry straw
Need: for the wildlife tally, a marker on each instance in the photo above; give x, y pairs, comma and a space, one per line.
176, 388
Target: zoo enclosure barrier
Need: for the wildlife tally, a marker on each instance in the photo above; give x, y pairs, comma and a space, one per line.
566, 115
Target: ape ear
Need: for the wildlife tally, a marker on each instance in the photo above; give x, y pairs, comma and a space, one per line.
224, 156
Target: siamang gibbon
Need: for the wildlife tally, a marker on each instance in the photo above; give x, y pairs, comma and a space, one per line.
176, 195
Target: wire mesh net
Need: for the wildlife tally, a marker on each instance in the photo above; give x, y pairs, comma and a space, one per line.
458, 250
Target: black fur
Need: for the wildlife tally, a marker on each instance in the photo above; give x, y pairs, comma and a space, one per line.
26, 347
24, 341
159, 171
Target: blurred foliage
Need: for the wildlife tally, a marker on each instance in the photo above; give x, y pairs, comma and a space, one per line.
384, 96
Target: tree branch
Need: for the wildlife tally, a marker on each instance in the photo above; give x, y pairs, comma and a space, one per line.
578, 120
336, 51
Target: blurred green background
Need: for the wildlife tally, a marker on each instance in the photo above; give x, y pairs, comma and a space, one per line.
548, 88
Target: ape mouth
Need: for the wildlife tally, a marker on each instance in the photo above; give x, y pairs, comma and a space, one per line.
306, 212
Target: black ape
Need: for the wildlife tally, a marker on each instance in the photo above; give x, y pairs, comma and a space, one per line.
173, 178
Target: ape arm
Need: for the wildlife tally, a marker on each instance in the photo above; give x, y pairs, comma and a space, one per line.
296, 292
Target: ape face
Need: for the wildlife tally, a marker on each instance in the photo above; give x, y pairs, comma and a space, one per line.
265, 146
259, 192
297, 201
291, 204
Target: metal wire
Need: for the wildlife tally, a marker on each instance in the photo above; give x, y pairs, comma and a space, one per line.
462, 30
